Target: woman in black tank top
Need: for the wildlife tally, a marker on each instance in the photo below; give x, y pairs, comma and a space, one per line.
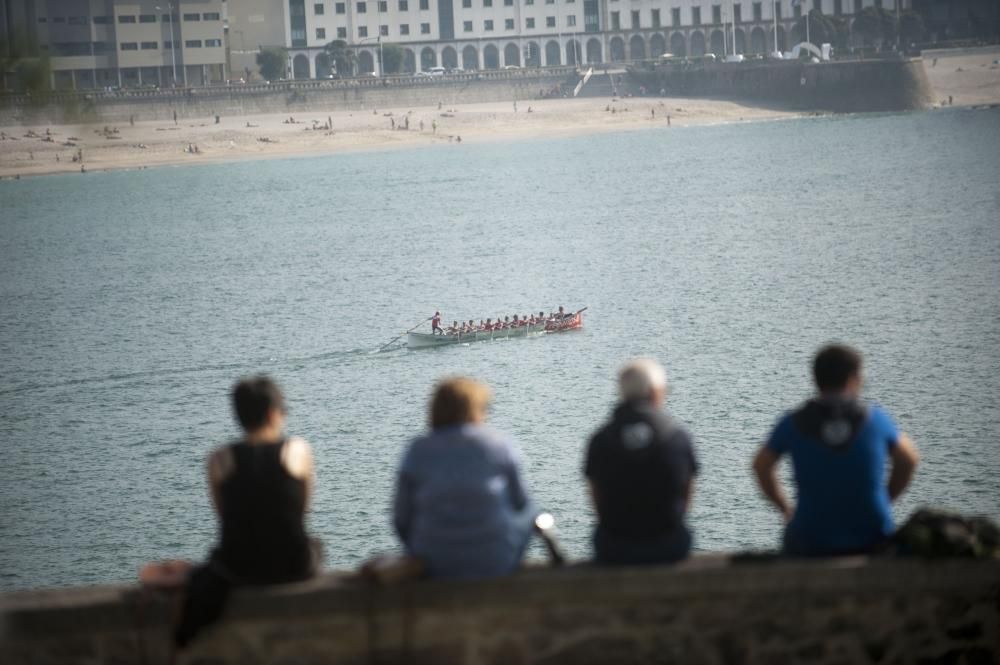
261, 488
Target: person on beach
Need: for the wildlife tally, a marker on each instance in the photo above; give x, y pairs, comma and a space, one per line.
640, 468
260, 488
460, 506
839, 447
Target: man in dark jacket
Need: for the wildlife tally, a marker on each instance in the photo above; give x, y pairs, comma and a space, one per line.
640, 467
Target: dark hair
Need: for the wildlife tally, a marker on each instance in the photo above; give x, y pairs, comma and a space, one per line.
834, 365
254, 398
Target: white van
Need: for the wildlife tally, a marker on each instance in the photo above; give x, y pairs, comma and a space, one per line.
436, 71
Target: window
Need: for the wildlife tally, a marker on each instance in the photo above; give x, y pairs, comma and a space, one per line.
167, 18
341, 33
487, 3
425, 28
488, 26
320, 33
857, 6
508, 24
675, 17
716, 14
797, 10
340, 8
148, 46
635, 19
130, 46
404, 5
143, 18
656, 18
529, 2
103, 48
383, 30
404, 29
82, 20
105, 20
616, 22
383, 5
42, 19
550, 21
192, 17
878, 4
838, 7
777, 10
550, 2
209, 43
299, 36
318, 9
210, 16
758, 12
125, 19
362, 7
466, 26
425, 5
737, 13
695, 16
362, 31
529, 23
466, 4
571, 20
192, 43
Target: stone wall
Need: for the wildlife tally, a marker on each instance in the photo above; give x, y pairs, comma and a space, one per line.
844, 86
706, 610
290, 98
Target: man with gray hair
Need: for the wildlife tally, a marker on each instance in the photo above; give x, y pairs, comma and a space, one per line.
640, 467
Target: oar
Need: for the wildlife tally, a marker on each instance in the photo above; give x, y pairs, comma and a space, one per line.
408, 331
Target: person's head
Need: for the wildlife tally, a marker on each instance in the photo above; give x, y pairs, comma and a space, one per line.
458, 401
258, 403
560, 309
837, 369
643, 380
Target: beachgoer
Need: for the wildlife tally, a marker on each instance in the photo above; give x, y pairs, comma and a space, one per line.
260, 487
434, 126
460, 506
640, 468
839, 447
436, 324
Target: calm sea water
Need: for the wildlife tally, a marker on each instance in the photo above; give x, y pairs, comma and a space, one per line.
131, 301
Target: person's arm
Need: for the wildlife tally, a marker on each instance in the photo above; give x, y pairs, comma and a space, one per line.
904, 458
402, 508
219, 466
765, 466
298, 460
688, 494
518, 497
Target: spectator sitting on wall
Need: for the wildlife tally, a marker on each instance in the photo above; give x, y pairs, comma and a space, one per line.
839, 447
640, 467
460, 506
260, 487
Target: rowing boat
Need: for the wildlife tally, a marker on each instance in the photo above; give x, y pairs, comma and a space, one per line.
415, 340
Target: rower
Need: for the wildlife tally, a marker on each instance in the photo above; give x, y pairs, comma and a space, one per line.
436, 324
562, 314
453, 330
515, 323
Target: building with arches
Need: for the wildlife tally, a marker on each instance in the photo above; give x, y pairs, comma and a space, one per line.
494, 34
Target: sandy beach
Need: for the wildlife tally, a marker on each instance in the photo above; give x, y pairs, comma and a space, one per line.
970, 79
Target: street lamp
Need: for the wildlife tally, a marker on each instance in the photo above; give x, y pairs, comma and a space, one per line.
173, 42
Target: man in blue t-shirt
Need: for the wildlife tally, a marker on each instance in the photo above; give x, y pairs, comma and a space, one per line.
839, 447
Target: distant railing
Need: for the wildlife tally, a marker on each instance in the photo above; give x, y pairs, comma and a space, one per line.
247, 89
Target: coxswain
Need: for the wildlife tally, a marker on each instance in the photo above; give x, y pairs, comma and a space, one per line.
436, 324
562, 315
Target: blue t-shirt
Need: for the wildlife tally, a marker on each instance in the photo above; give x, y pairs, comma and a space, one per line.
843, 502
460, 505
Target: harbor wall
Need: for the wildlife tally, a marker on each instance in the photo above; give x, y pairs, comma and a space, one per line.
707, 610
291, 97
850, 86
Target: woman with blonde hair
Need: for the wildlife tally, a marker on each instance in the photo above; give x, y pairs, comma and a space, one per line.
460, 506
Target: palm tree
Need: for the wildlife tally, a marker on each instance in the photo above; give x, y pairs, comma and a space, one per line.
343, 56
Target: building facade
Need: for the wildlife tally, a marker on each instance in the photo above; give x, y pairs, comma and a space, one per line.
128, 43
254, 25
492, 34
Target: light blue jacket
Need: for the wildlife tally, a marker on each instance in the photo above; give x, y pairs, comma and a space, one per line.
460, 505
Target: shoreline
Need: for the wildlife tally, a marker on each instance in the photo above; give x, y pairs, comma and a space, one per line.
32, 152
959, 79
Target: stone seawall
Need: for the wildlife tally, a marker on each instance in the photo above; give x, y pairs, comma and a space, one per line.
706, 610
290, 98
845, 86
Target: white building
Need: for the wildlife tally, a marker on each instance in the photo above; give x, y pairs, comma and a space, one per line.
491, 34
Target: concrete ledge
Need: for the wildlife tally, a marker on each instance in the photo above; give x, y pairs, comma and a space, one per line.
708, 609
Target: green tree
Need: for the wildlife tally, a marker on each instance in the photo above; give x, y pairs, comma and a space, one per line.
823, 29
875, 26
911, 28
392, 58
272, 63
343, 56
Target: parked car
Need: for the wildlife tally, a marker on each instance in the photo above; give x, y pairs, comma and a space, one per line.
437, 71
